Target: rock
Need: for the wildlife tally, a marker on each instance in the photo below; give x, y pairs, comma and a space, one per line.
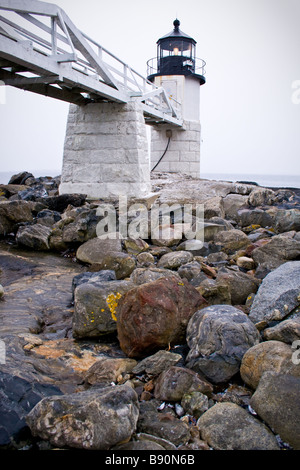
255, 217
278, 294
35, 236
245, 262
107, 370
47, 217
215, 292
277, 251
167, 235
82, 228
235, 394
286, 220
192, 272
144, 260
287, 331
269, 356
240, 284
214, 207
196, 247
174, 260
175, 382
154, 315
218, 337
94, 250
1, 291
233, 203
96, 419
276, 401
162, 424
95, 307
61, 202
144, 275
135, 246
231, 240
17, 397
195, 403
164, 443
261, 197
227, 426
157, 363
93, 278
20, 178
12, 213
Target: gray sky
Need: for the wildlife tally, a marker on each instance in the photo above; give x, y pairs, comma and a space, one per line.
250, 123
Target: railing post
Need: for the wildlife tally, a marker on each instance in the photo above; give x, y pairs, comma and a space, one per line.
54, 34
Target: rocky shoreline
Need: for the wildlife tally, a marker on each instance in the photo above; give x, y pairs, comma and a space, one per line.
150, 343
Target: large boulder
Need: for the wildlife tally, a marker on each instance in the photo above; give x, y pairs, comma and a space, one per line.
276, 401
227, 426
96, 419
95, 307
218, 336
269, 356
154, 315
278, 294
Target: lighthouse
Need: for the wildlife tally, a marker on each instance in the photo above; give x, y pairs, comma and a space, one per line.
177, 69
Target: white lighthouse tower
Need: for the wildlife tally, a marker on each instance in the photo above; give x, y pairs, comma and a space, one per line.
181, 74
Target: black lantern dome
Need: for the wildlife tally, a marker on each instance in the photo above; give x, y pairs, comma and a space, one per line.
176, 55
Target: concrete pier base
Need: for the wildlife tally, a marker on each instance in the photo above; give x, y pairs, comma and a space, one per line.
106, 151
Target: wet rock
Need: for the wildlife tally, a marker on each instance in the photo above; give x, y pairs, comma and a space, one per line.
175, 382
232, 240
218, 337
240, 284
278, 294
277, 251
96, 419
276, 401
95, 307
157, 363
144, 275
35, 236
154, 315
107, 370
227, 426
269, 356
287, 331
17, 397
174, 260
164, 425
195, 403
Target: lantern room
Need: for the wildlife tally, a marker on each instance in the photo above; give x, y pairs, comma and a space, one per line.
176, 55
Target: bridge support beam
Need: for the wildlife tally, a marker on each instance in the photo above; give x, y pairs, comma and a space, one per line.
183, 154
106, 151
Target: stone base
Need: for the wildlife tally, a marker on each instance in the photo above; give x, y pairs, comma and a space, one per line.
183, 154
106, 151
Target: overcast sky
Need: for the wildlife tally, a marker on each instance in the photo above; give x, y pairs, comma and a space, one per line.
250, 121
